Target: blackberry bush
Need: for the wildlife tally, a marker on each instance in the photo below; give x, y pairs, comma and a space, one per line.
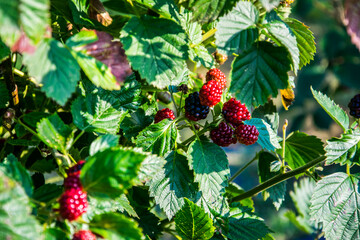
84, 153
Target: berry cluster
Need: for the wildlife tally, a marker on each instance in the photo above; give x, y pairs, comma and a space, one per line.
163, 114
73, 202
354, 106
84, 235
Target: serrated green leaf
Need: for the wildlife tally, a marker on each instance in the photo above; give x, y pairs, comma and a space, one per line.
4, 95
193, 223
53, 66
206, 11
305, 40
16, 222
121, 167
172, 184
267, 136
103, 142
343, 150
234, 190
270, 4
4, 53
98, 72
245, 225
48, 192
277, 192
55, 234
150, 167
31, 16
211, 168
159, 138
100, 206
201, 54
282, 34
237, 30
33, 118
258, 73
54, 133
336, 202
301, 148
166, 8
269, 113
332, 109
115, 226
13, 169
155, 47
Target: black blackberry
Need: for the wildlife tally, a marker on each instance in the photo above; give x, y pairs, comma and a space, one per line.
354, 106
193, 108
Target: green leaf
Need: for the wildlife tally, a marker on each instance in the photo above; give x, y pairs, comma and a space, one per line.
305, 40
206, 11
100, 206
269, 113
54, 133
33, 118
201, 54
23, 142
332, 109
98, 72
301, 148
270, 4
47, 192
277, 192
150, 167
267, 136
335, 202
4, 95
166, 8
159, 138
103, 142
55, 234
16, 222
234, 190
193, 223
245, 225
282, 35
43, 166
53, 66
343, 150
115, 226
4, 53
13, 169
31, 16
150, 224
172, 184
258, 73
211, 168
155, 47
121, 167
237, 30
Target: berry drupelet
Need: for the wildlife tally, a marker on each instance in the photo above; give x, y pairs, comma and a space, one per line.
354, 106
210, 93
163, 114
247, 134
217, 75
193, 108
223, 135
84, 235
73, 203
234, 112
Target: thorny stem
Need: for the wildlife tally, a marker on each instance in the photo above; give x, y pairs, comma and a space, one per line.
278, 179
243, 168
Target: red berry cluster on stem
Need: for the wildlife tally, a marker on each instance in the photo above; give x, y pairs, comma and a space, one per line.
84, 235
163, 114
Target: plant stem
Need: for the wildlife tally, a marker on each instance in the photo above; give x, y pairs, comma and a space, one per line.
278, 179
243, 168
208, 34
348, 169
77, 137
192, 138
26, 127
283, 147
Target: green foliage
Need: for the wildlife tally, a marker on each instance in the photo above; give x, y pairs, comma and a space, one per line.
193, 223
336, 202
103, 142
267, 136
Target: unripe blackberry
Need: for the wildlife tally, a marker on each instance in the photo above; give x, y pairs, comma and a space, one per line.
210, 93
223, 135
354, 106
73, 203
217, 75
75, 170
247, 134
234, 112
84, 235
163, 114
193, 108
72, 182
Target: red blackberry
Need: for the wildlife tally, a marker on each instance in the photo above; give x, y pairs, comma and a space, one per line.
72, 182
193, 108
75, 170
234, 112
210, 93
223, 135
163, 114
247, 134
84, 235
354, 106
73, 203
217, 75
